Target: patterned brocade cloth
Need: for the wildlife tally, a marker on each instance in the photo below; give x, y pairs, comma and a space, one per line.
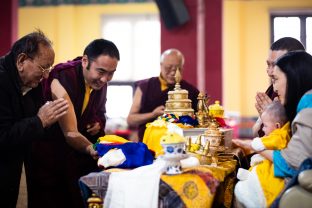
201, 186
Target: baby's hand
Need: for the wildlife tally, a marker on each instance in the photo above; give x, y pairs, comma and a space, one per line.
243, 143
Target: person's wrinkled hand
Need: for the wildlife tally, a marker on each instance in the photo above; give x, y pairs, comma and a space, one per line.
262, 100
94, 128
158, 111
51, 111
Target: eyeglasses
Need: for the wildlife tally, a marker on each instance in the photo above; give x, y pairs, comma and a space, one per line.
45, 70
170, 68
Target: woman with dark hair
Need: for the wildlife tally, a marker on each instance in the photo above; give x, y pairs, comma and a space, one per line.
292, 82
296, 66
297, 69
277, 49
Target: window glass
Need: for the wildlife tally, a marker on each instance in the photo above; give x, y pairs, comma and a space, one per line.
292, 28
138, 40
116, 30
147, 49
119, 101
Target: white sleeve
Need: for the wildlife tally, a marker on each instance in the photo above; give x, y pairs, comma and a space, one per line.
257, 144
256, 159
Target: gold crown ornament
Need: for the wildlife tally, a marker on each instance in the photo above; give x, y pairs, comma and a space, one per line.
216, 110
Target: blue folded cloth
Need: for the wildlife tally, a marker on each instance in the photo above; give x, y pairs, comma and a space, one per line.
137, 154
188, 120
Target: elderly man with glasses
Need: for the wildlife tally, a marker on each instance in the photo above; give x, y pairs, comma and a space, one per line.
69, 153
151, 94
24, 117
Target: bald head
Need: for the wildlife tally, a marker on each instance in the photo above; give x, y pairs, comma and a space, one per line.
171, 60
172, 52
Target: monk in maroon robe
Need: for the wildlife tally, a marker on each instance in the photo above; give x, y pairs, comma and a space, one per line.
67, 153
149, 103
151, 94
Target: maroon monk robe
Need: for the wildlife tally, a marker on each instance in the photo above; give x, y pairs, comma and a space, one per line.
55, 166
152, 97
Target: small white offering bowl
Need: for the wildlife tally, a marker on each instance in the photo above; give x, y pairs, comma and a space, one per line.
173, 153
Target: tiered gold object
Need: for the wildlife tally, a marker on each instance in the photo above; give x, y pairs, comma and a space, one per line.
202, 113
178, 102
216, 142
208, 145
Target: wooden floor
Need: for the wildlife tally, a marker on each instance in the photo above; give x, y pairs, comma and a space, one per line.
22, 197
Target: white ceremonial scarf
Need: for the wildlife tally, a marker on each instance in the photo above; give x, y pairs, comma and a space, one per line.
138, 188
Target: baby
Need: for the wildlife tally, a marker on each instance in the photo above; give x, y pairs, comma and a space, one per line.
277, 135
253, 190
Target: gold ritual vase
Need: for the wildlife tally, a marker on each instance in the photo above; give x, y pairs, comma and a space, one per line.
213, 140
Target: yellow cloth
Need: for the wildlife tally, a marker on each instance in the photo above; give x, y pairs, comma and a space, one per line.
277, 139
86, 97
163, 84
182, 126
270, 185
191, 188
112, 139
170, 138
154, 131
197, 186
224, 172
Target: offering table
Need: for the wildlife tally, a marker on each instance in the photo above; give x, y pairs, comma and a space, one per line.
200, 186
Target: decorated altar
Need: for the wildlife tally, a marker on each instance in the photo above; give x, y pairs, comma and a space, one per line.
202, 186
195, 164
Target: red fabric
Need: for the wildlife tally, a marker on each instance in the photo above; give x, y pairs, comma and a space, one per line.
221, 122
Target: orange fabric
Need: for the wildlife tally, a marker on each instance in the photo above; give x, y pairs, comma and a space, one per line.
86, 97
163, 84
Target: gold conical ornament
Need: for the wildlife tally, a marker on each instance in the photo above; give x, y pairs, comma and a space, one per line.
178, 102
